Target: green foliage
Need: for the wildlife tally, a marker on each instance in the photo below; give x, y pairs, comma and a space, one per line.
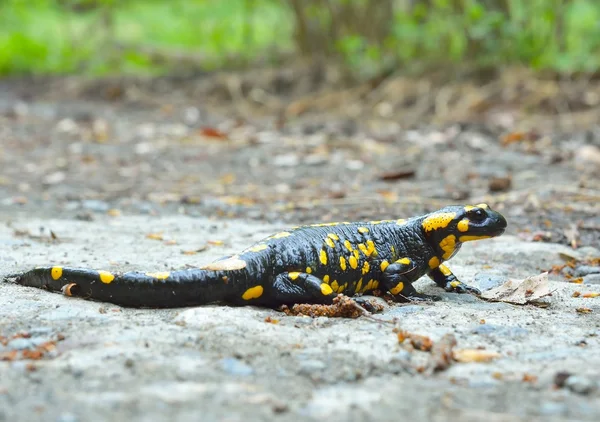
107, 36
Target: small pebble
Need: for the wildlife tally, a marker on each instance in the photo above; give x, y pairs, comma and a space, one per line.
580, 384
235, 366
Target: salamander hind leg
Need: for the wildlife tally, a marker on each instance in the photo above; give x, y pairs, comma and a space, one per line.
444, 278
296, 287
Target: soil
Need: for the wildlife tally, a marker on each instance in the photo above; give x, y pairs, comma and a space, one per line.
162, 174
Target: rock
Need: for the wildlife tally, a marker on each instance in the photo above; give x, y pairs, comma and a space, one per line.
310, 366
286, 160
580, 384
583, 270
95, 205
591, 279
235, 366
21, 344
587, 156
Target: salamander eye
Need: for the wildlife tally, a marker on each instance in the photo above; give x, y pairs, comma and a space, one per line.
477, 215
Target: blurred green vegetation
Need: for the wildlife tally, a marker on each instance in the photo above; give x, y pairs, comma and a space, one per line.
369, 36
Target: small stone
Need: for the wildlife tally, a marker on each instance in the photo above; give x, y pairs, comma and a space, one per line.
21, 344
591, 279
355, 165
580, 384
587, 156
54, 178
235, 366
95, 205
286, 160
583, 270
310, 366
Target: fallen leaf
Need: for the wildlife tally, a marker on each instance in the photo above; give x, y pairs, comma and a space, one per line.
474, 355
520, 292
584, 310
154, 236
211, 132
397, 175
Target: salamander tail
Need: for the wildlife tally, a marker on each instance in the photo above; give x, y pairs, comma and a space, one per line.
134, 289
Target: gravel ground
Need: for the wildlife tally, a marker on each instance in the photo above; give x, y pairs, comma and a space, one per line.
230, 364
84, 181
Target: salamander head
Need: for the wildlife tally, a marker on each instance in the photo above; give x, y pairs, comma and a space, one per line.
447, 228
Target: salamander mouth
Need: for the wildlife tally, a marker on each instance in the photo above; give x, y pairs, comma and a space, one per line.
498, 232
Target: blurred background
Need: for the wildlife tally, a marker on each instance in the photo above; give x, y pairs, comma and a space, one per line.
97, 37
304, 109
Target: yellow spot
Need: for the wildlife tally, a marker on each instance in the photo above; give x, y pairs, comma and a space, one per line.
355, 253
308, 270
363, 248
280, 235
369, 286
326, 289
343, 263
333, 236
348, 245
375, 284
445, 270
160, 275
393, 250
370, 248
469, 208
447, 245
56, 272
434, 262
366, 267
341, 288
463, 225
482, 206
229, 264
323, 257
324, 224
363, 230
358, 286
397, 288
106, 277
375, 222
401, 222
258, 248
455, 284
438, 220
469, 238
404, 261
330, 243
294, 275
253, 293
353, 262
384, 264
326, 279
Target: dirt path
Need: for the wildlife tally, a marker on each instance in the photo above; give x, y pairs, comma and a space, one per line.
83, 182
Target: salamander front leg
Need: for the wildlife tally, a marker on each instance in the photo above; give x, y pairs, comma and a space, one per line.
444, 278
397, 283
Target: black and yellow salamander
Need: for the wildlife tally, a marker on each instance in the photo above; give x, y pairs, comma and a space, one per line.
308, 264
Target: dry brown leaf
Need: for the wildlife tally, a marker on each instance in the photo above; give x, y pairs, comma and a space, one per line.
474, 355
520, 292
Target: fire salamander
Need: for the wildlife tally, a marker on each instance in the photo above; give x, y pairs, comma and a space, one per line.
308, 264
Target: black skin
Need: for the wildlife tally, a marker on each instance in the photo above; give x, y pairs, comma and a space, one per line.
302, 265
